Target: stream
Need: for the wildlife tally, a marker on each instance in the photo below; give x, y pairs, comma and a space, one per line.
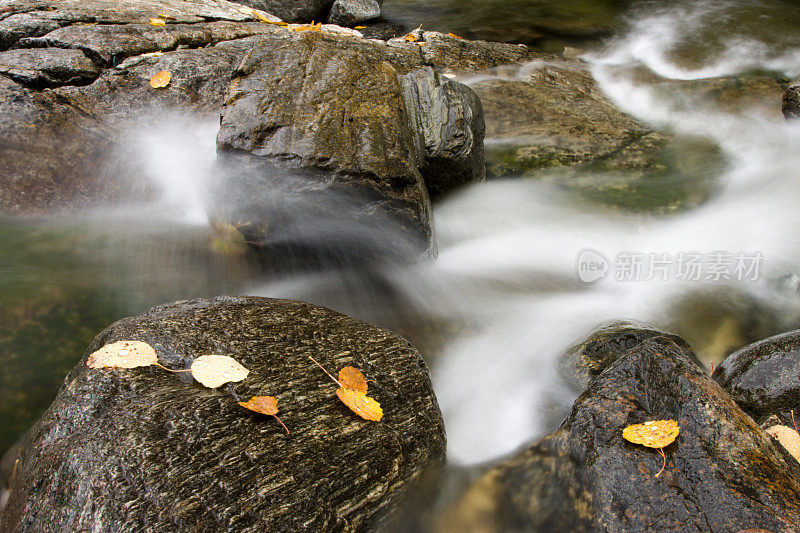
527, 266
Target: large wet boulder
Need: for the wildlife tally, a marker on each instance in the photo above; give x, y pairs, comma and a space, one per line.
364, 112
764, 377
143, 448
723, 473
586, 360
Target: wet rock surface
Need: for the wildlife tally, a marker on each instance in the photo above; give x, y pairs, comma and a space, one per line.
349, 12
790, 102
583, 362
723, 473
143, 448
552, 114
764, 377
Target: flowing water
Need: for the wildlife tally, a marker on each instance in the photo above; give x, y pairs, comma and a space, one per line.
508, 293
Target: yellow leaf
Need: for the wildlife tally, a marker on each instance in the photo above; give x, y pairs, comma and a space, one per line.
157, 22
265, 405
352, 378
262, 404
247, 11
123, 354
653, 434
361, 404
454, 35
359, 27
214, 371
168, 17
160, 80
410, 38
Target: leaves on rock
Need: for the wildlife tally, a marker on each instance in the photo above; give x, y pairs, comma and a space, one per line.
454, 36
123, 354
352, 378
214, 371
157, 22
788, 437
265, 405
160, 80
411, 38
355, 398
653, 434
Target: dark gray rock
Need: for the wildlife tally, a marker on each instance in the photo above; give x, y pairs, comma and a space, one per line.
723, 473
350, 12
790, 103
448, 118
383, 132
291, 10
49, 67
145, 449
583, 362
764, 377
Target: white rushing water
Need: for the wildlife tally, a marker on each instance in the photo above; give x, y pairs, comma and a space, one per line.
508, 250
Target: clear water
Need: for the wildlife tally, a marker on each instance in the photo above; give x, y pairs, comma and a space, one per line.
504, 299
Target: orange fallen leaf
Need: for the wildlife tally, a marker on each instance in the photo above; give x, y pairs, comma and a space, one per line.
356, 399
265, 405
352, 378
653, 434
361, 404
157, 22
160, 80
411, 38
454, 35
123, 354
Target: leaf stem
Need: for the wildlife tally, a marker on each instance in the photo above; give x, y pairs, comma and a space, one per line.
281, 422
170, 370
661, 451
793, 422
329, 374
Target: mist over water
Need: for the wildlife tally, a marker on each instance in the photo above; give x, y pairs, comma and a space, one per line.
503, 300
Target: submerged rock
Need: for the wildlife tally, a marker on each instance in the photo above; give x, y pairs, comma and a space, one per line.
142, 448
349, 12
552, 114
764, 377
583, 362
723, 473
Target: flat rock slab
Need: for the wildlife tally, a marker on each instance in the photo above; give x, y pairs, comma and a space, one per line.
122, 450
723, 473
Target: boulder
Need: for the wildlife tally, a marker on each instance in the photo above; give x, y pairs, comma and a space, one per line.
586, 360
350, 12
790, 103
448, 119
124, 449
292, 10
371, 118
553, 114
764, 377
723, 473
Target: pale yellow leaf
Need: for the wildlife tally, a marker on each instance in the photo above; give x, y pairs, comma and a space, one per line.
123, 354
214, 371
